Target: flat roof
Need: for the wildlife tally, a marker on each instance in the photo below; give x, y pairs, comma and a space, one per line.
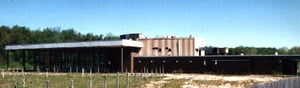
114, 43
220, 56
295, 57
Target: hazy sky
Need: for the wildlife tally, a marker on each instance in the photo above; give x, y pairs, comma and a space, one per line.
222, 23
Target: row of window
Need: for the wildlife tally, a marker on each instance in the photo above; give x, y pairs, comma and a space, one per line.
159, 49
176, 61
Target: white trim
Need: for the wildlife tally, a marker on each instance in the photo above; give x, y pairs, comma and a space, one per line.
118, 43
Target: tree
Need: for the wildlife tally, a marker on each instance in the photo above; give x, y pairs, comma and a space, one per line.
19, 35
283, 50
245, 50
266, 51
68, 35
294, 50
89, 37
110, 36
4, 39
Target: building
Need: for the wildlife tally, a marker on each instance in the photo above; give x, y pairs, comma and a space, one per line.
216, 51
136, 53
106, 56
167, 46
221, 64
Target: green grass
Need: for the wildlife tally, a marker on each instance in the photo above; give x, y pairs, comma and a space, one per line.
63, 81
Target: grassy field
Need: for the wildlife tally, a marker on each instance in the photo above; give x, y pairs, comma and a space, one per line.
138, 80
63, 80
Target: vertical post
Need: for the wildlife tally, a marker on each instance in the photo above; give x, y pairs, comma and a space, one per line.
142, 76
71, 84
127, 79
132, 60
76, 69
135, 80
98, 69
42, 59
47, 84
151, 73
122, 60
7, 60
53, 57
38, 68
105, 84
2, 73
23, 59
82, 72
23, 79
117, 83
50, 60
159, 70
155, 71
72, 58
70, 69
163, 69
47, 73
249, 67
79, 58
54, 70
90, 83
90, 73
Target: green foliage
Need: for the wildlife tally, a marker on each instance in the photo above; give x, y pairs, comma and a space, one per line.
283, 50
109, 36
263, 50
244, 50
294, 50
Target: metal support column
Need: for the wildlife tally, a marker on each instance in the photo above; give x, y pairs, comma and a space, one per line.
23, 60
7, 59
34, 60
122, 60
79, 62
72, 58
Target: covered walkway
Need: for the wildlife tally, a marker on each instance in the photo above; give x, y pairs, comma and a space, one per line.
103, 56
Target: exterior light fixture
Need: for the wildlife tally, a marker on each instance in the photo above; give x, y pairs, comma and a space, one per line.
191, 61
151, 61
216, 62
279, 61
108, 62
164, 61
140, 61
177, 61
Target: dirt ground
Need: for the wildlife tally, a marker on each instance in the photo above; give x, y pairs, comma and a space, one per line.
209, 81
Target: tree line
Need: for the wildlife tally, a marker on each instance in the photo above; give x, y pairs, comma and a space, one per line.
264, 50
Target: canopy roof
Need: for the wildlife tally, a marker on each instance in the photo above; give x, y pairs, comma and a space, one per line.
115, 43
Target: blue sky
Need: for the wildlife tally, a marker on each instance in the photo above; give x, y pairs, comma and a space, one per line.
222, 23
